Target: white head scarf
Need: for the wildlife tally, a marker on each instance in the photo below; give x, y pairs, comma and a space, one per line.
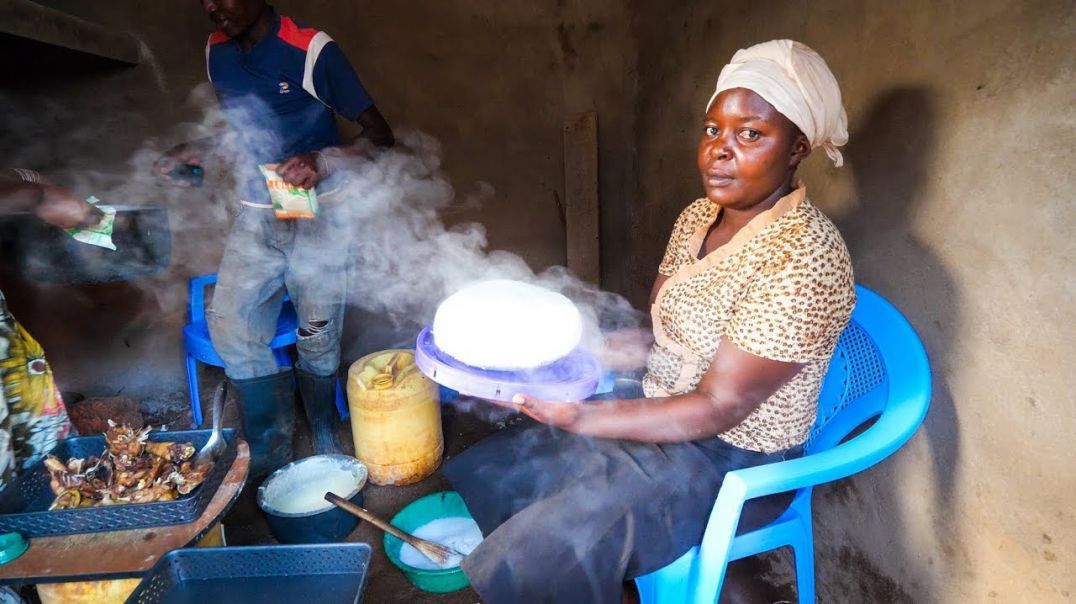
798, 83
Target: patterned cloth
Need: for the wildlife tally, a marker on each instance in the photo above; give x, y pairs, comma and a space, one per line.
781, 288
32, 415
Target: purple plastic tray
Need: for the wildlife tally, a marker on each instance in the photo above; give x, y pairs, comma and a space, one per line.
572, 378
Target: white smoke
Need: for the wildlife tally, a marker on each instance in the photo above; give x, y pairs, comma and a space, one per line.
405, 259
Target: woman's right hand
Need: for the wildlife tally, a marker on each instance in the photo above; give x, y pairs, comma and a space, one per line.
182, 154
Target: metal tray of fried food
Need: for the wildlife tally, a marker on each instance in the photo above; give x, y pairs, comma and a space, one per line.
326, 573
24, 504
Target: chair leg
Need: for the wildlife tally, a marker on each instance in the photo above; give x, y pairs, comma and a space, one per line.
803, 551
341, 402
283, 359
192, 384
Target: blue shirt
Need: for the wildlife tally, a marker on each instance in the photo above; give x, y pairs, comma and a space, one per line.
279, 96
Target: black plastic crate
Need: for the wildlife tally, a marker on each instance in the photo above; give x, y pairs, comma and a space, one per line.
332, 573
24, 504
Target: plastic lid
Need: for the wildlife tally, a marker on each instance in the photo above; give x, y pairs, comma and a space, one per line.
572, 378
12, 545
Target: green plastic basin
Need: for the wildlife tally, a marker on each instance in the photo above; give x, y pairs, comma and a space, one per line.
446, 504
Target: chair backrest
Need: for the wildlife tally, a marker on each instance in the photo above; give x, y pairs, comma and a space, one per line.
857, 387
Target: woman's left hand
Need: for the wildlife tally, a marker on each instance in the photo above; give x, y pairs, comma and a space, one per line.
553, 413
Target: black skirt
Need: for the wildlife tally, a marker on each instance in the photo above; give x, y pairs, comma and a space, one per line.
569, 518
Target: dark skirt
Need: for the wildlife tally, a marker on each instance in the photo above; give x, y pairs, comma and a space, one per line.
569, 518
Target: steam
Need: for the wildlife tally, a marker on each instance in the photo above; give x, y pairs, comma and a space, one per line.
404, 259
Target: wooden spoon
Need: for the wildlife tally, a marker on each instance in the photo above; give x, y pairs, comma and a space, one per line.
436, 552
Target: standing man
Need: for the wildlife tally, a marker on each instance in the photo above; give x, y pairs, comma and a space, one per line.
279, 85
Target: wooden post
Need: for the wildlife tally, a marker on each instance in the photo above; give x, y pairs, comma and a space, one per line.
581, 190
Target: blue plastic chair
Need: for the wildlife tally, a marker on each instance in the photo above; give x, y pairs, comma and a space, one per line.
198, 346
879, 370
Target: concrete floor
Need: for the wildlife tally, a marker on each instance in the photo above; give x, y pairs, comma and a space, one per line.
762, 580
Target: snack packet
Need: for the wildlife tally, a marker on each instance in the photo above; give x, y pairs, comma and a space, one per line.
289, 201
101, 233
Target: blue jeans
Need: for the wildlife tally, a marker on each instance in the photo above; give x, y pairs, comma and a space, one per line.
265, 257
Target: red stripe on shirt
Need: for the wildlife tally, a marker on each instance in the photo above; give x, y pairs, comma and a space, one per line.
298, 37
218, 37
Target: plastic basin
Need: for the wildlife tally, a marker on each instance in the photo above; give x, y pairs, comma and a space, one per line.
446, 504
325, 525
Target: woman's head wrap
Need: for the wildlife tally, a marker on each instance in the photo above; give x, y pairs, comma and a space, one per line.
798, 83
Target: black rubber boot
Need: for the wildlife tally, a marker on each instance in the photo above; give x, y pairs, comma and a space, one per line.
267, 408
319, 401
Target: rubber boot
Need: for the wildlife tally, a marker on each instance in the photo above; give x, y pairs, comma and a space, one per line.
267, 409
319, 401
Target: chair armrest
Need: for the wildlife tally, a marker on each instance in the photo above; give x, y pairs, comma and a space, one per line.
876, 443
196, 296
881, 440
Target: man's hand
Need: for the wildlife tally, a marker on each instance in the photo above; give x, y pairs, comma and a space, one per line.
184, 154
300, 170
59, 207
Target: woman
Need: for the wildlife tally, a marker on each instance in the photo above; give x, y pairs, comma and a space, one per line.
32, 415
755, 288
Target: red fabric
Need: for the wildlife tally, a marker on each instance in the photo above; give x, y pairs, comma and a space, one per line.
294, 35
218, 37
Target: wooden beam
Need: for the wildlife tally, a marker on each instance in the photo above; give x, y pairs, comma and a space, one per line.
581, 192
32, 21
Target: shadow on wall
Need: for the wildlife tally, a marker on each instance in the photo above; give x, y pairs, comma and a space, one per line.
891, 152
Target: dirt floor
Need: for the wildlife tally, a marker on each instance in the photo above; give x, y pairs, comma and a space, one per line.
760, 580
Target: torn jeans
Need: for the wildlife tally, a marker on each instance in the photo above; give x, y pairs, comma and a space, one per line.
264, 258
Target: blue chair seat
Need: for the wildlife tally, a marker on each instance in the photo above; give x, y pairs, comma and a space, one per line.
197, 343
198, 346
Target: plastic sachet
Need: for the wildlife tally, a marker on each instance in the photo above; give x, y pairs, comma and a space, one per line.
289, 201
99, 234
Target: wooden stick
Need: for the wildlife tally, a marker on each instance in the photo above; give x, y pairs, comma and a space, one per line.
436, 552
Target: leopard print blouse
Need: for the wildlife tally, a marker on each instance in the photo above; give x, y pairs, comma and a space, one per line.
781, 289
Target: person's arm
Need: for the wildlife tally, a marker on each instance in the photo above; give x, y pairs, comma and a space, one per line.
27, 191
336, 84
792, 315
736, 383
306, 169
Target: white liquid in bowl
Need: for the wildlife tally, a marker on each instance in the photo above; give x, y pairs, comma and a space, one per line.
461, 534
302, 488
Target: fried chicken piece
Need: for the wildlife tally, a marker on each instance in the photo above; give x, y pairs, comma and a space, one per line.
188, 477
60, 478
99, 472
71, 498
157, 492
124, 442
171, 451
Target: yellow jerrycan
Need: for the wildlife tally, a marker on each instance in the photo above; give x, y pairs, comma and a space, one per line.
395, 417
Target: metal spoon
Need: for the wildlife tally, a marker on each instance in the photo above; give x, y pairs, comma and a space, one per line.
212, 449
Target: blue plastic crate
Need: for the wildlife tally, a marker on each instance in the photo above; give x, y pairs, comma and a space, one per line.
332, 573
24, 504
